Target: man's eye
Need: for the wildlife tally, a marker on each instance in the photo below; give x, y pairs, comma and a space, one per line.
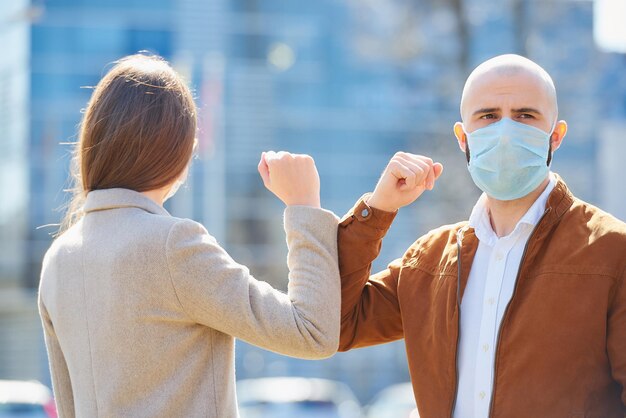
488, 116
526, 116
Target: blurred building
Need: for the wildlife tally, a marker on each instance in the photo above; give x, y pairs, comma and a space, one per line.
14, 130
19, 333
59, 48
610, 33
350, 82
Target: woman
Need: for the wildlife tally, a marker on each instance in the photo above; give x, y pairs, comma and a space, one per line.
140, 309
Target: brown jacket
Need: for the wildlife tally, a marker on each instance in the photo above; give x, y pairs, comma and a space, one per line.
562, 343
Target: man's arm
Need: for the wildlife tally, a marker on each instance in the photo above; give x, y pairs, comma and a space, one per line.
616, 337
370, 311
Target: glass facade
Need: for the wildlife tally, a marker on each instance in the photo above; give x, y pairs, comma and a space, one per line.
14, 131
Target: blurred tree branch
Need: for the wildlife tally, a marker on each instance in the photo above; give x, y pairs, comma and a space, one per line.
463, 33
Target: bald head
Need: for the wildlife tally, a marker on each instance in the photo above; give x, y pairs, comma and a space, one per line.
511, 67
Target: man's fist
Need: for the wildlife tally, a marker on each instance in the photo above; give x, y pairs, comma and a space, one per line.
293, 178
405, 178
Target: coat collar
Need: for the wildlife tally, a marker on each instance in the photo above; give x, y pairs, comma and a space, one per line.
106, 199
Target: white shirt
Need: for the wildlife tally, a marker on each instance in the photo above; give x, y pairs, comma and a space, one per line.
487, 294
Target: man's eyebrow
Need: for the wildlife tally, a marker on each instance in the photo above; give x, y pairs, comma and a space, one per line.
486, 110
526, 110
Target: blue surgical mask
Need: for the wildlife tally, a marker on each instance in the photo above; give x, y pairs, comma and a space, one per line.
508, 159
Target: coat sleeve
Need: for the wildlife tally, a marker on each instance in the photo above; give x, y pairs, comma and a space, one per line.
217, 292
616, 337
61, 383
370, 311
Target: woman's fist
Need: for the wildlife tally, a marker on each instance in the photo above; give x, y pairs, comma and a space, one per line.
293, 178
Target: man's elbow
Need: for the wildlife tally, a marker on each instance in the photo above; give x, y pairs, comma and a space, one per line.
347, 335
345, 344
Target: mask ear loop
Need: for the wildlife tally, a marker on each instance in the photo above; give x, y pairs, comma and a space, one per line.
549, 154
467, 151
550, 144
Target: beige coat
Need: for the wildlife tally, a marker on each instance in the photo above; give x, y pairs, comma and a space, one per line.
141, 309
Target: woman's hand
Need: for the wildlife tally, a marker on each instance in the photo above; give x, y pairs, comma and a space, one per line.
293, 178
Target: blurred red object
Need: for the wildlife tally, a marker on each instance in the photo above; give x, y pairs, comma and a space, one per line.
51, 409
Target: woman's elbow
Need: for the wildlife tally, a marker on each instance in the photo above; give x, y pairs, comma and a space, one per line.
326, 346
321, 351
328, 349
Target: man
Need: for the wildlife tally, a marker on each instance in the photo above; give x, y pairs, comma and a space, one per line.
518, 312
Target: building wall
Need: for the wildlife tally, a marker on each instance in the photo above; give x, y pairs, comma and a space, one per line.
20, 336
14, 130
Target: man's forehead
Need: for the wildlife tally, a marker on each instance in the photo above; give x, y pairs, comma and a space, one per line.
516, 90
519, 78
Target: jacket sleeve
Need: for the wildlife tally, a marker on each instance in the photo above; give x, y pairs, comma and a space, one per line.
616, 337
370, 311
61, 384
217, 292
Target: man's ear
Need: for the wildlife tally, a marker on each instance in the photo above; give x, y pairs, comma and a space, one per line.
461, 136
556, 138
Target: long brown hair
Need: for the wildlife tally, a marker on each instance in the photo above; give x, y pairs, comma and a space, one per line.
137, 132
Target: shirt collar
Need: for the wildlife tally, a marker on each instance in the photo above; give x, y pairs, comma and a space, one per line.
116, 198
479, 218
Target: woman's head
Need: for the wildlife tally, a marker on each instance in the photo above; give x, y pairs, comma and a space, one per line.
138, 131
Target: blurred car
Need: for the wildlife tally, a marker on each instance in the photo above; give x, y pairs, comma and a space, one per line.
396, 401
22, 399
291, 397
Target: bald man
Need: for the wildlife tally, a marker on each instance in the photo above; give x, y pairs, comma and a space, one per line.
519, 311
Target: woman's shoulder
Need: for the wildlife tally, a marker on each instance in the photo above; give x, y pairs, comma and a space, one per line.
167, 231
183, 230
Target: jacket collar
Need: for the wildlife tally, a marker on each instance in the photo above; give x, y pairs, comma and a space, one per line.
559, 202
107, 199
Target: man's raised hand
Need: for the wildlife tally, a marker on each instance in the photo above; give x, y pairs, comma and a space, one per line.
405, 178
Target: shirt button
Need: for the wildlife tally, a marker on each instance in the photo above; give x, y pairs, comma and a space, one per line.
491, 301
365, 213
485, 347
482, 395
498, 256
